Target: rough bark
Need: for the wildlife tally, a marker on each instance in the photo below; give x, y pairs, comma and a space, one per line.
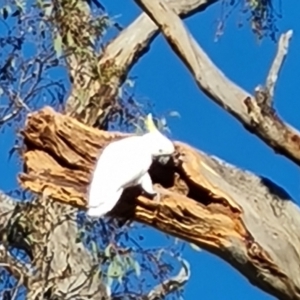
255, 113
245, 219
116, 62
58, 266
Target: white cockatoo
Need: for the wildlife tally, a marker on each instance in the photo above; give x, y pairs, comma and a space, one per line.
125, 163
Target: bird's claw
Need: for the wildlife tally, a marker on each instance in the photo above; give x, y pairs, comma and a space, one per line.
157, 197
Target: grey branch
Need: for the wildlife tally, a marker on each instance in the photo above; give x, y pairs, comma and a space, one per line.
7, 207
172, 284
277, 64
280, 136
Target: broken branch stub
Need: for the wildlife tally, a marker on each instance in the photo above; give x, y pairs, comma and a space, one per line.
277, 64
244, 219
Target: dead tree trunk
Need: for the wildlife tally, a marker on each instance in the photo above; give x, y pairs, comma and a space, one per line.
246, 220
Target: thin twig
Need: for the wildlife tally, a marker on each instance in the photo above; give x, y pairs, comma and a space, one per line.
171, 284
9, 116
16, 268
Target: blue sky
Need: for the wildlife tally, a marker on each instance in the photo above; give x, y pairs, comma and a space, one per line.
162, 78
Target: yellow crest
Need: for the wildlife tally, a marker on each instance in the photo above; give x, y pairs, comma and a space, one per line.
149, 123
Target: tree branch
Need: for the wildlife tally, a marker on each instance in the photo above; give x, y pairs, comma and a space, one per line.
258, 119
16, 268
245, 219
282, 51
172, 284
7, 207
117, 59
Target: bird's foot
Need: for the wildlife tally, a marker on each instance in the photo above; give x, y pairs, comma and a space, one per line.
156, 197
94, 212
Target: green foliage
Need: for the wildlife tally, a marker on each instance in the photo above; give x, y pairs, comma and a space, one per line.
24, 75
119, 266
263, 19
58, 45
74, 29
260, 13
124, 262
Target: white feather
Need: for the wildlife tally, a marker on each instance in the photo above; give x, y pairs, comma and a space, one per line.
122, 164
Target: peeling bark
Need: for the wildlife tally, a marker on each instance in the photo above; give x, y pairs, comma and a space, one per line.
246, 220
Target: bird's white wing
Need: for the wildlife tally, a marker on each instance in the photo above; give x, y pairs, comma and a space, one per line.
102, 207
120, 164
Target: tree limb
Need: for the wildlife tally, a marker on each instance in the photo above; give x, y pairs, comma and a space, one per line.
258, 119
245, 219
278, 61
117, 59
71, 259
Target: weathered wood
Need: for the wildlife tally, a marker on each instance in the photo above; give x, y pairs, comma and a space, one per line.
245, 219
254, 113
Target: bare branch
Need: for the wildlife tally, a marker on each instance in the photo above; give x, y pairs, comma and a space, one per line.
282, 51
16, 268
10, 116
8, 204
258, 119
64, 265
172, 284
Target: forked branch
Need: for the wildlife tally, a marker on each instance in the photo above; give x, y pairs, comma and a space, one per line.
258, 119
119, 56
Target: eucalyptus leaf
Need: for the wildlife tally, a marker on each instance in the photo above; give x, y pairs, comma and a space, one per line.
70, 39
137, 268
195, 247
48, 10
58, 45
174, 114
94, 247
107, 251
115, 270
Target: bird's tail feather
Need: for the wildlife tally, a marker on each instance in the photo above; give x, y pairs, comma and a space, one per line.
106, 205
